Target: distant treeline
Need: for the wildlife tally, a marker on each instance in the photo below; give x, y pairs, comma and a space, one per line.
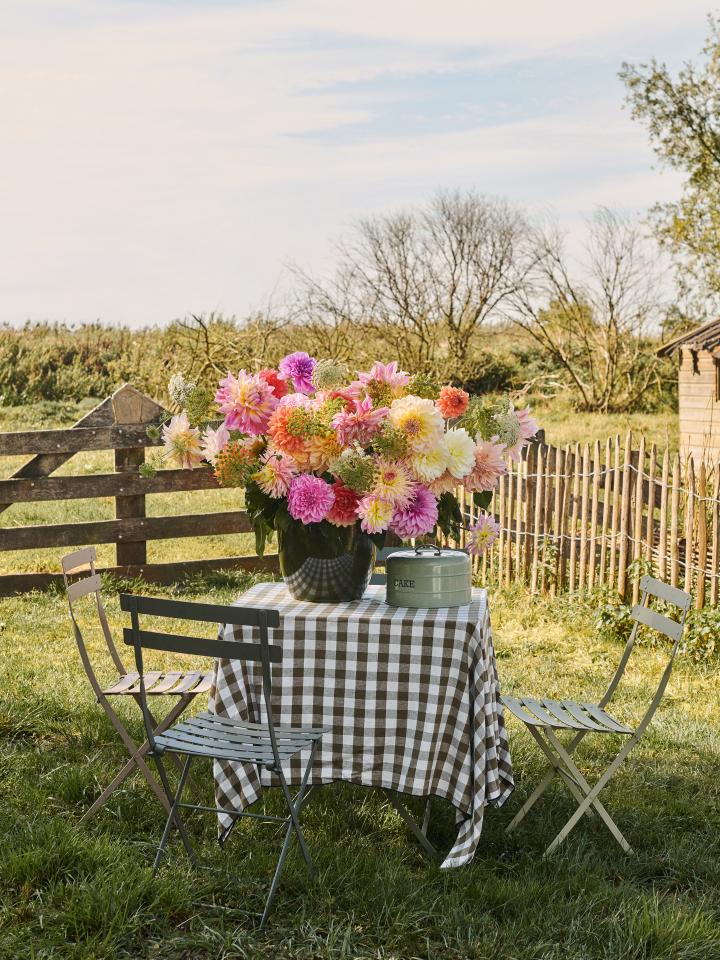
43, 361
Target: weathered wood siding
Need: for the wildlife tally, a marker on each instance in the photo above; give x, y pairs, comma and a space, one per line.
698, 405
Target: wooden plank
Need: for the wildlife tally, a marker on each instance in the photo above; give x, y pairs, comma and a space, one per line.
537, 518
594, 504
574, 512
675, 523
585, 503
715, 549
605, 523
75, 439
130, 553
42, 465
701, 537
127, 530
637, 546
509, 515
530, 507
650, 501
615, 518
90, 486
689, 524
562, 533
546, 531
152, 573
519, 511
557, 504
663, 532
624, 528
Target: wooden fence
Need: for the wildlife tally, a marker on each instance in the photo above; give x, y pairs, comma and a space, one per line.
119, 423
581, 517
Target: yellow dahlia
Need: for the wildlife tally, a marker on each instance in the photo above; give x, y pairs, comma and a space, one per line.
429, 466
420, 420
393, 482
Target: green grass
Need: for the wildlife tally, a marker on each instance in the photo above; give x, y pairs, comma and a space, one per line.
72, 891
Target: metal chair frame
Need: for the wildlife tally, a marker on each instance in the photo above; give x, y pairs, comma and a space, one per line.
222, 738
543, 717
184, 686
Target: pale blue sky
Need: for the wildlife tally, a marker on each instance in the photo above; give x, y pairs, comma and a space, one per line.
160, 157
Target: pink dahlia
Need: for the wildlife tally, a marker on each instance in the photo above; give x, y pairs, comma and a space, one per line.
482, 535
298, 367
273, 380
247, 402
489, 467
386, 373
375, 514
310, 498
214, 441
276, 473
528, 424
445, 483
452, 402
360, 424
343, 512
418, 517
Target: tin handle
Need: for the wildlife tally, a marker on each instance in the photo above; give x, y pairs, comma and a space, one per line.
429, 546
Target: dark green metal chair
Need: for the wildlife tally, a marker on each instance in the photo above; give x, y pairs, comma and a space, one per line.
222, 738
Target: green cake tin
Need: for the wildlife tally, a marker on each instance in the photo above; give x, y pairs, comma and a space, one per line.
428, 577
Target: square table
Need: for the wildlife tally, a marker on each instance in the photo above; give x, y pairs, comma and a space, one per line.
411, 697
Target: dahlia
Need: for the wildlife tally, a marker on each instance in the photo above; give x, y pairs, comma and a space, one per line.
298, 367
489, 466
343, 512
322, 451
247, 402
277, 427
460, 450
482, 535
213, 442
452, 402
375, 514
528, 424
182, 442
393, 482
420, 420
274, 381
429, 466
387, 373
445, 483
418, 517
359, 425
310, 498
276, 474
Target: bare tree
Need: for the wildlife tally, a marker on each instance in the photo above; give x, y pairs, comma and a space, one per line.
596, 326
422, 282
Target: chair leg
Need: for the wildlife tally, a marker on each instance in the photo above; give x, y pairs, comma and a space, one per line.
591, 799
174, 815
299, 803
559, 764
120, 778
417, 831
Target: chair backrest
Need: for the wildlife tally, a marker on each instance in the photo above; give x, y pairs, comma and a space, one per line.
643, 614
217, 614
83, 562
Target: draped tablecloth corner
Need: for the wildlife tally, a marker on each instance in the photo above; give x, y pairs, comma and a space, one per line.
411, 697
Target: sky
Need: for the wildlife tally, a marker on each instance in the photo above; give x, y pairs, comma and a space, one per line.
162, 157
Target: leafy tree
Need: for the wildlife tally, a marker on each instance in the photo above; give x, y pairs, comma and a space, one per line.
682, 115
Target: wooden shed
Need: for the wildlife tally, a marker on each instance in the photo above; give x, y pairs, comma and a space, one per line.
698, 390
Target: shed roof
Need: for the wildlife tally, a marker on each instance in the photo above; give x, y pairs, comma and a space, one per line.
706, 337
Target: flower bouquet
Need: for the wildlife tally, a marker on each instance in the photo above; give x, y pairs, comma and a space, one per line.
332, 461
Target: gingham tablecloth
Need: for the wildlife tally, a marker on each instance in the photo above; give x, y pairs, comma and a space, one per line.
411, 698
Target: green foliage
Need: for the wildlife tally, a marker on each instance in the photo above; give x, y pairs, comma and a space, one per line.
682, 116
450, 518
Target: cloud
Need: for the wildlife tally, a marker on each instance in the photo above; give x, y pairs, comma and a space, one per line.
159, 157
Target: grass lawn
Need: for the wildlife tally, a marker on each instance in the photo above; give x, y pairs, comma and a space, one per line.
72, 891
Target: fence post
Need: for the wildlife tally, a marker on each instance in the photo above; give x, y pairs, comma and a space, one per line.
131, 407
625, 516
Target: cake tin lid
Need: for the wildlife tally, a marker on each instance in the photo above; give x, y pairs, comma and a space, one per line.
427, 560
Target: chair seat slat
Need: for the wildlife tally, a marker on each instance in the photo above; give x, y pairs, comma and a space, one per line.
188, 682
178, 745
516, 707
149, 679
583, 716
205, 683
558, 709
167, 681
546, 719
249, 724
123, 684
603, 717
203, 723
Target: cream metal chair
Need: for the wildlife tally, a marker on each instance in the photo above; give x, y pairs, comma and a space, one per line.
184, 686
545, 718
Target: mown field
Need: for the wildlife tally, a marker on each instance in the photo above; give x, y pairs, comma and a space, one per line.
72, 891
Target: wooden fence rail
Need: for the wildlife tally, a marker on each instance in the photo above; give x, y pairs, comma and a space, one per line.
119, 423
587, 516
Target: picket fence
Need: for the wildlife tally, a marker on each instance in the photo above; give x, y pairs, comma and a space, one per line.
582, 517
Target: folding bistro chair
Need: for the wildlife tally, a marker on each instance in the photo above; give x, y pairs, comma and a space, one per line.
185, 686
544, 718
216, 737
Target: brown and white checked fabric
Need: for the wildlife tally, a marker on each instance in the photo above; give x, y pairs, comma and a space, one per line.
411, 698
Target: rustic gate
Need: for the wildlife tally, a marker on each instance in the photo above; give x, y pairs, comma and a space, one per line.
119, 423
